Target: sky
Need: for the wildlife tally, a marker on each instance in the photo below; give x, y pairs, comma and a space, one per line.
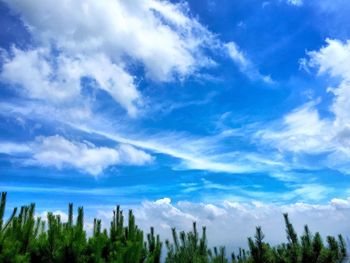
227, 113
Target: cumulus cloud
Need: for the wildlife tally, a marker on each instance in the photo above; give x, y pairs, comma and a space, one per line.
56, 151
304, 130
228, 223
32, 71
159, 34
58, 79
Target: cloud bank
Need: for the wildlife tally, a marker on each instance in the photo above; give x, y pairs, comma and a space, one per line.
229, 223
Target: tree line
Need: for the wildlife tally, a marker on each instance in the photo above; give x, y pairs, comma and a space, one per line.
27, 238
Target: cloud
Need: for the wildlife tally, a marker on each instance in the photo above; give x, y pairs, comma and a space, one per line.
304, 130
237, 55
107, 41
56, 151
207, 153
132, 156
32, 71
88, 226
295, 2
296, 189
110, 193
63, 216
57, 79
13, 148
193, 152
309, 192
160, 35
244, 64
229, 223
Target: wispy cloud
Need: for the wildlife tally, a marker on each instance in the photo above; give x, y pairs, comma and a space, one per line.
295, 2
116, 192
193, 152
197, 153
296, 189
244, 64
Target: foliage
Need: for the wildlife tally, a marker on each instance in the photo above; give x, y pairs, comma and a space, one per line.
26, 238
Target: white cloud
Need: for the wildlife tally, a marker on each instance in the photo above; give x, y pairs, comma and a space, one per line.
13, 148
244, 64
104, 40
304, 130
334, 59
310, 192
207, 153
57, 79
61, 214
56, 151
229, 223
295, 2
197, 153
229, 220
159, 34
130, 155
88, 226
237, 55
32, 71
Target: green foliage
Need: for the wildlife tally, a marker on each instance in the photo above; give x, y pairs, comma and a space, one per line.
259, 250
26, 238
189, 248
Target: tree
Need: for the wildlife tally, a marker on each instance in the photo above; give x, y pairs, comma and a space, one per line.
25, 238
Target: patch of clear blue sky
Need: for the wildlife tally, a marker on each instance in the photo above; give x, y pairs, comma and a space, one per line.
274, 36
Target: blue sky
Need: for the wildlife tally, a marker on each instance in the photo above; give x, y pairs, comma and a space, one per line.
157, 103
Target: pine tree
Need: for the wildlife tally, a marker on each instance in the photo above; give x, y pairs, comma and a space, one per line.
306, 246
293, 244
259, 250
25, 238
